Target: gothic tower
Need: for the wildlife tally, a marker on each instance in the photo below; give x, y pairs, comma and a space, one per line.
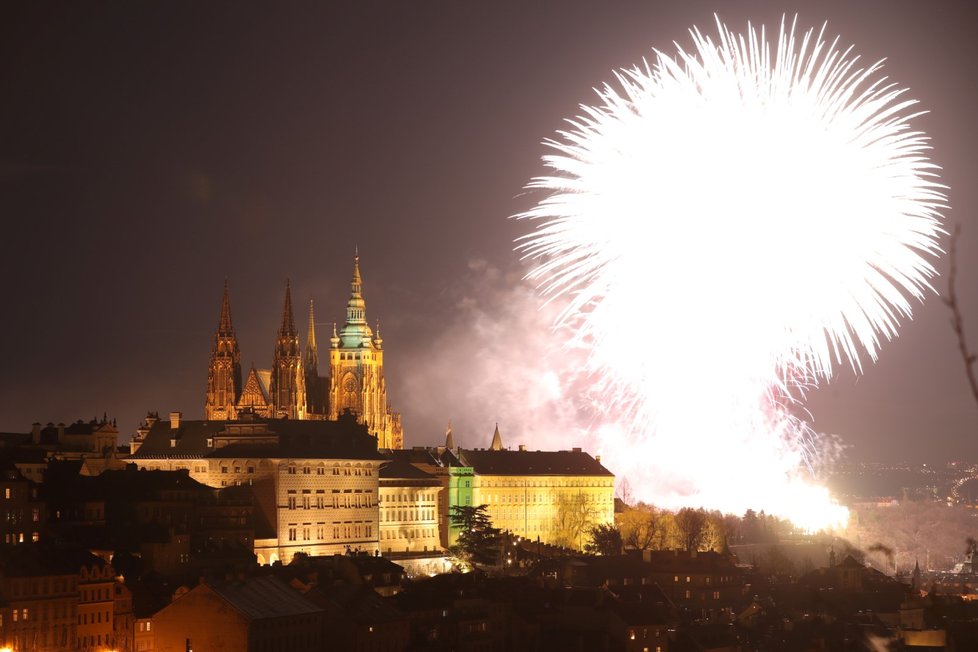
287, 391
356, 371
315, 389
224, 373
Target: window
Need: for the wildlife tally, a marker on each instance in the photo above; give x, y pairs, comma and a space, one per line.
224, 469
291, 534
306, 470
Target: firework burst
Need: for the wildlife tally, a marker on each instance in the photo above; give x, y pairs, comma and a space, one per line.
724, 227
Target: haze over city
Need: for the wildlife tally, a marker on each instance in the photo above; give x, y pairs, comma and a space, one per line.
148, 153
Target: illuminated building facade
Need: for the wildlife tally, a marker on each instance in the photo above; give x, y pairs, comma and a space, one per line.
58, 599
547, 496
409, 508
21, 511
315, 483
292, 388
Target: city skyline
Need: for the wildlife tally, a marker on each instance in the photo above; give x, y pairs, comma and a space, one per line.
150, 153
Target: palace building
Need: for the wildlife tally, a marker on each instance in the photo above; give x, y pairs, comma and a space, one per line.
292, 388
315, 483
548, 496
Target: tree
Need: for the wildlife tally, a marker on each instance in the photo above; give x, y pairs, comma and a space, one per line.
575, 513
478, 541
623, 491
690, 528
605, 540
957, 321
643, 527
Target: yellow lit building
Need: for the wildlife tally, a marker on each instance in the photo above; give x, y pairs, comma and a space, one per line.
548, 496
409, 508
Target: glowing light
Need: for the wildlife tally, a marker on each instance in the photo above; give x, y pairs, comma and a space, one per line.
723, 227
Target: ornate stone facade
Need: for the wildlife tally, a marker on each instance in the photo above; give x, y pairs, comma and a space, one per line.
293, 388
356, 372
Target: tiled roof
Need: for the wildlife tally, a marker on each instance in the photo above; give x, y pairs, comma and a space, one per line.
258, 598
341, 439
404, 470
508, 462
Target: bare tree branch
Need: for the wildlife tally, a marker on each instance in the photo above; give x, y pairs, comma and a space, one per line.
957, 321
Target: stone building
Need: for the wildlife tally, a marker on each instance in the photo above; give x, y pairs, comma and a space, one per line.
547, 496
22, 513
315, 483
58, 599
409, 508
292, 388
260, 614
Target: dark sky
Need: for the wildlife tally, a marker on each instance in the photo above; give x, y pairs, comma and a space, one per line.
149, 150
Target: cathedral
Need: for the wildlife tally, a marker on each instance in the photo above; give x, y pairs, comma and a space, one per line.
293, 388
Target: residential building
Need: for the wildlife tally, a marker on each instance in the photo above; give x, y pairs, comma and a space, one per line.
257, 614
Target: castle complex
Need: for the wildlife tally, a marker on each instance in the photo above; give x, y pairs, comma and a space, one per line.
324, 460
293, 388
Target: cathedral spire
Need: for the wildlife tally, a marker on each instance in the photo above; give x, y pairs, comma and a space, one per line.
356, 332
315, 400
312, 356
356, 307
224, 371
225, 328
288, 323
288, 383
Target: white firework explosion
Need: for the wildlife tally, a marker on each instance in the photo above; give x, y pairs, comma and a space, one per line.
726, 225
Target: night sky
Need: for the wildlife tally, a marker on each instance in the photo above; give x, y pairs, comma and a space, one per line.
148, 151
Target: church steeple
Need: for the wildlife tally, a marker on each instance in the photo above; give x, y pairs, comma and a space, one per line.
225, 328
356, 333
449, 440
288, 323
356, 371
312, 355
315, 397
288, 386
497, 440
224, 372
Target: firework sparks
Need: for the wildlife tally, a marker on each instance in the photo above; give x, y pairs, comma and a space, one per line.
724, 226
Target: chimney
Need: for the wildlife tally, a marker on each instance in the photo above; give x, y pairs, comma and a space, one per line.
36, 433
175, 420
576, 449
597, 458
522, 447
151, 418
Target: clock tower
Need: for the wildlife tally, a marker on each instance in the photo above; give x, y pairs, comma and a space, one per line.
356, 372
